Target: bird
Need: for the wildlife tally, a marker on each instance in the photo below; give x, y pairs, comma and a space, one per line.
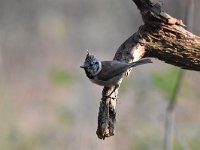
107, 73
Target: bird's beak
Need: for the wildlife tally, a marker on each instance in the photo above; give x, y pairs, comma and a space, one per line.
82, 66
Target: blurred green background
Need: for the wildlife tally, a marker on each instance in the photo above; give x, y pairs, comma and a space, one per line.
47, 103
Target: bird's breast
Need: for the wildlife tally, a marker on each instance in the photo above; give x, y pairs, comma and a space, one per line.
111, 82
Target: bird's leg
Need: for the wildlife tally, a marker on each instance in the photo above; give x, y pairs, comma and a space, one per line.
116, 86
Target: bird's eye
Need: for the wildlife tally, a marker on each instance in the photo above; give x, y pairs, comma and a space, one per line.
96, 63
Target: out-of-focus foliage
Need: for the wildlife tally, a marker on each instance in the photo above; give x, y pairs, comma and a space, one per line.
146, 143
166, 81
61, 77
65, 116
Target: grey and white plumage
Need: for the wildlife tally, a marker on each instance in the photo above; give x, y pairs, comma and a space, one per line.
107, 73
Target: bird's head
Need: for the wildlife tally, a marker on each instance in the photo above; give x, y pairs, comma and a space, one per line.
91, 66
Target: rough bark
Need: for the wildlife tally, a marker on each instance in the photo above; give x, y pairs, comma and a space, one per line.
162, 37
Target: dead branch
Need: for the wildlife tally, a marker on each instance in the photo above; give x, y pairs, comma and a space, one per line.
162, 37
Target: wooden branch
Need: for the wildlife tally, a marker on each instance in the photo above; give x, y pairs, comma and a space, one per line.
162, 37
172, 44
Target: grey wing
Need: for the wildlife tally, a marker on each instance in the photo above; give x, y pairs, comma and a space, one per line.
111, 69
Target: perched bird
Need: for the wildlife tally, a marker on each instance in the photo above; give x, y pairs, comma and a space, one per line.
107, 73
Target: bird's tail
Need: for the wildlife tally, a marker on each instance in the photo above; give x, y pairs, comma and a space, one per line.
140, 62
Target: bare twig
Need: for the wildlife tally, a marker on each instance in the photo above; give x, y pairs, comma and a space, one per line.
170, 114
